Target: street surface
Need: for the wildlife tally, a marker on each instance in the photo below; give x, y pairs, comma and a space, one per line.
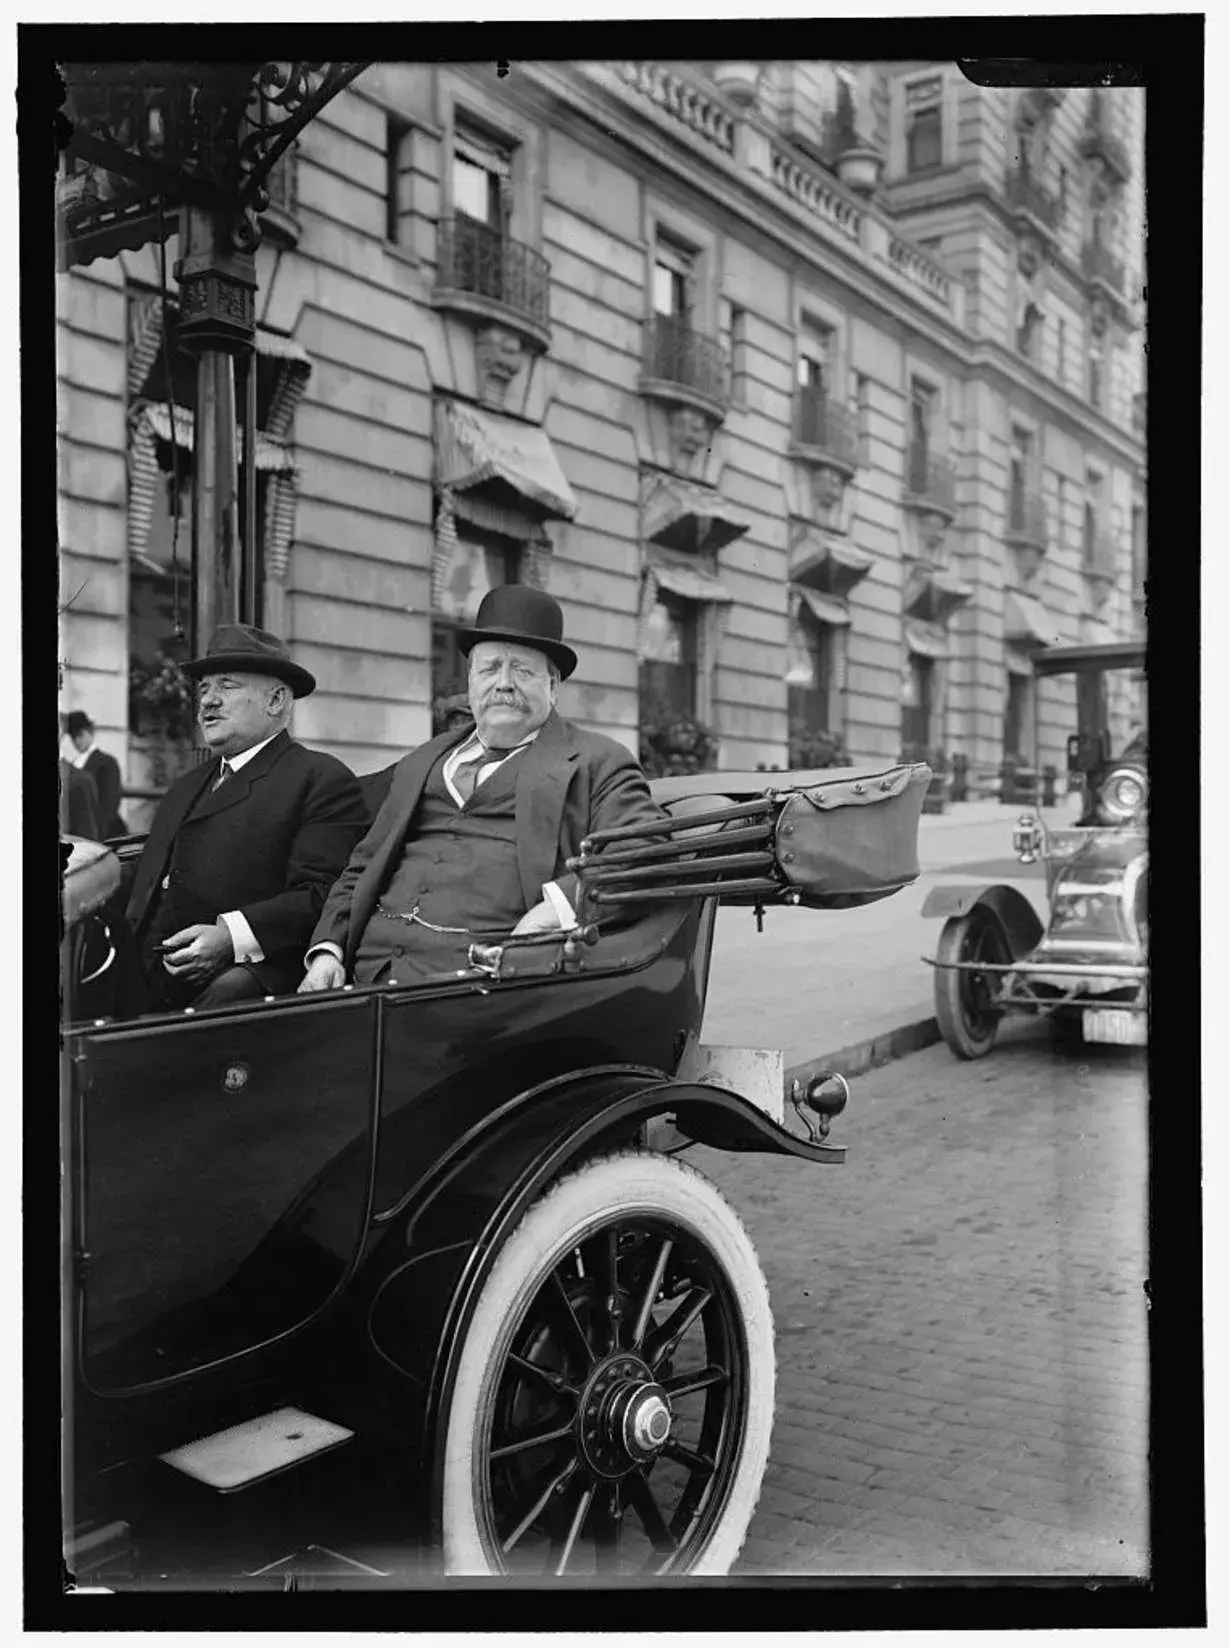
961, 1320
816, 981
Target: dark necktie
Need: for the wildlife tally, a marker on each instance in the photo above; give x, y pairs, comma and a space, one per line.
465, 779
224, 772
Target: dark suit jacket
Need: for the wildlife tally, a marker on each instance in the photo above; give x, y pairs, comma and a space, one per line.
270, 843
104, 769
79, 809
569, 783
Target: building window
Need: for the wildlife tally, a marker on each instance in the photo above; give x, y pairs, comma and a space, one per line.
922, 419
1061, 208
480, 561
482, 179
1020, 463
1061, 352
815, 366
397, 181
1016, 712
860, 411
1139, 549
667, 665
923, 125
1089, 533
1095, 380
917, 696
732, 335
809, 674
672, 281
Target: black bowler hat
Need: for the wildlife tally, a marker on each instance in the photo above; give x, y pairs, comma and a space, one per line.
77, 721
251, 651
529, 617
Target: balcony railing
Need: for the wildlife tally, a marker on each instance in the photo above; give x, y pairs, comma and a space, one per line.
476, 258
1099, 264
676, 354
931, 481
1027, 517
1024, 193
825, 426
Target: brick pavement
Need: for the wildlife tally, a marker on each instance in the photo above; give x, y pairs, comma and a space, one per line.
962, 1366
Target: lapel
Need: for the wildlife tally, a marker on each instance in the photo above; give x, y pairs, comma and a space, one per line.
545, 772
238, 786
167, 821
402, 799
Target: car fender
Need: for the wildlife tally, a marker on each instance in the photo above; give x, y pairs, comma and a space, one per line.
463, 1214
1017, 917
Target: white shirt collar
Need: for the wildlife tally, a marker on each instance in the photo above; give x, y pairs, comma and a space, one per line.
80, 757
473, 740
232, 763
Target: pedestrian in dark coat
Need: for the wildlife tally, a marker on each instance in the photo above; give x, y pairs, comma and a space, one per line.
104, 769
79, 808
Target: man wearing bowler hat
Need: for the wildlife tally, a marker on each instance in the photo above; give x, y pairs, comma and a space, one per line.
472, 839
244, 848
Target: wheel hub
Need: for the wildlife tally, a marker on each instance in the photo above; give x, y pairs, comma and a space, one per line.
625, 1417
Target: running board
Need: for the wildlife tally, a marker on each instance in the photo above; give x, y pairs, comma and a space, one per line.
258, 1449
316, 1562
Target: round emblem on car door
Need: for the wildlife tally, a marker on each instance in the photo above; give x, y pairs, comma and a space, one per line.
236, 1078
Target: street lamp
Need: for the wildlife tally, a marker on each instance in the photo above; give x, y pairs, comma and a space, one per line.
154, 147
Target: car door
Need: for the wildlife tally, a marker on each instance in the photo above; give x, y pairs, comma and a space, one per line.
221, 1180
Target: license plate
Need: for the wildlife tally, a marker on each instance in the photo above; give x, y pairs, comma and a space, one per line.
1116, 1025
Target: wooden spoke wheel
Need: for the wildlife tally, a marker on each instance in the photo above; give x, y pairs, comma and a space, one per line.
614, 1400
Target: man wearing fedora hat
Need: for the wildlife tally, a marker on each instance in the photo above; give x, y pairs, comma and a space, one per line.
244, 848
104, 769
472, 839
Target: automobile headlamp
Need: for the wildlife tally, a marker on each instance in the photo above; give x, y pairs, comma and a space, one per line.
1123, 795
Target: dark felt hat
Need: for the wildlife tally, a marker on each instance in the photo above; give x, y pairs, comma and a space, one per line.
251, 651
528, 617
77, 721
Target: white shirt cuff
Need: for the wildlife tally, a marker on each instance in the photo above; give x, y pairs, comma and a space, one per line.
243, 939
567, 915
325, 948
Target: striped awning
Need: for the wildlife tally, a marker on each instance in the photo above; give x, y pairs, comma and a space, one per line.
826, 609
270, 454
687, 515
1027, 621
276, 347
474, 447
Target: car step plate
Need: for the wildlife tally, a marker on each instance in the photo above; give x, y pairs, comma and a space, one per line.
1116, 1026
258, 1448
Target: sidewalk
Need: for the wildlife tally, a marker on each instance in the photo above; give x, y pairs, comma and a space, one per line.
848, 989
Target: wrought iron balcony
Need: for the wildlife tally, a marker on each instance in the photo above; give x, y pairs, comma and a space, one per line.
1098, 142
1099, 264
823, 431
1027, 196
1026, 522
930, 483
684, 366
483, 272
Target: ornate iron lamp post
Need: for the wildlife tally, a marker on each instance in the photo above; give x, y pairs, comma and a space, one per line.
160, 146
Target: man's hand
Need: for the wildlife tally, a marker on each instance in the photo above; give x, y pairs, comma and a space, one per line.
196, 953
543, 918
325, 972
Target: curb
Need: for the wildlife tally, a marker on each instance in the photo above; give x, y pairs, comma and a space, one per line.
870, 1053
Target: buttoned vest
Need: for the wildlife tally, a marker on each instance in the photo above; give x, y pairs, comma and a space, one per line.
458, 869
176, 904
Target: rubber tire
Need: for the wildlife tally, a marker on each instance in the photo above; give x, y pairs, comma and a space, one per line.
949, 1009
627, 1181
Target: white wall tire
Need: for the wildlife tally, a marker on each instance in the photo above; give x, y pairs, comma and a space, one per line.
628, 1203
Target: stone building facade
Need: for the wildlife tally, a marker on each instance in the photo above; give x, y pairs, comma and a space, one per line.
812, 390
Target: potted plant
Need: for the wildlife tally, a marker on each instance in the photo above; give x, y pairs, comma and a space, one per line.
162, 717
859, 162
673, 742
812, 748
939, 790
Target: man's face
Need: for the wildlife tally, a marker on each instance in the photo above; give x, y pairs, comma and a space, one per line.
82, 740
237, 711
512, 691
